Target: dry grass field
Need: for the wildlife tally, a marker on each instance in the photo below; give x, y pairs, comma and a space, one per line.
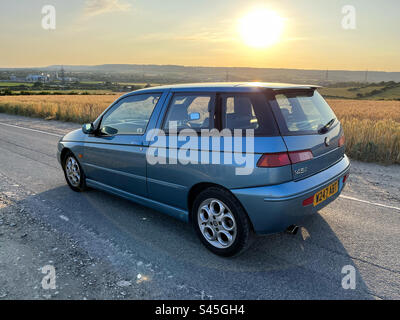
73, 108
366, 109
372, 128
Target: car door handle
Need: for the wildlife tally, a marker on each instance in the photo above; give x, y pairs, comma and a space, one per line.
141, 146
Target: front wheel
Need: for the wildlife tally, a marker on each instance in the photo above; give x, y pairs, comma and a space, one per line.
74, 173
220, 222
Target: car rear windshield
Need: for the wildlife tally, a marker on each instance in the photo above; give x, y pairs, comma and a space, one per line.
301, 111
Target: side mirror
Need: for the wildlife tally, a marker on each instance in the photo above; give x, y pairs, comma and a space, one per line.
194, 116
108, 131
88, 128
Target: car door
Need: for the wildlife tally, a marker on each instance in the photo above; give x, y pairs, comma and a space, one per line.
115, 155
169, 182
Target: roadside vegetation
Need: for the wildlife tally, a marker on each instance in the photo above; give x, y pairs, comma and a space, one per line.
60, 88
370, 91
372, 128
72, 108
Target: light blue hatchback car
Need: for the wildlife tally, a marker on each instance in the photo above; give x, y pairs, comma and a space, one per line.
170, 148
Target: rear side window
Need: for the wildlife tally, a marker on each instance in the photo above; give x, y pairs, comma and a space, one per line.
190, 111
248, 111
302, 112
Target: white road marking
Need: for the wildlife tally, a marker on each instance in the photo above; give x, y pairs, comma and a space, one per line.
64, 218
40, 131
369, 202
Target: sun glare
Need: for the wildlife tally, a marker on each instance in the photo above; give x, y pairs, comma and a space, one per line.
261, 28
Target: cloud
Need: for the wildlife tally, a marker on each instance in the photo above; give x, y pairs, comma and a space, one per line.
221, 33
98, 7
206, 36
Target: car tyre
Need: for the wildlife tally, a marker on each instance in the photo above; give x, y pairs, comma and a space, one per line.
221, 223
74, 173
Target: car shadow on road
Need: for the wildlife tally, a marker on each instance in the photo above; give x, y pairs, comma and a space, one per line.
308, 265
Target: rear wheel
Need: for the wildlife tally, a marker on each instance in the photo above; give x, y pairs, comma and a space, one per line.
73, 173
220, 222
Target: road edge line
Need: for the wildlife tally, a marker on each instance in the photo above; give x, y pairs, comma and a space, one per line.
369, 202
35, 130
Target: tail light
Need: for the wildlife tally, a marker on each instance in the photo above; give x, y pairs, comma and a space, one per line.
300, 156
342, 141
345, 178
273, 160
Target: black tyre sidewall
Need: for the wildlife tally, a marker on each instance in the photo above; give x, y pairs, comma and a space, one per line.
242, 222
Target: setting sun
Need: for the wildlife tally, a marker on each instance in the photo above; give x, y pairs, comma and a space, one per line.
261, 28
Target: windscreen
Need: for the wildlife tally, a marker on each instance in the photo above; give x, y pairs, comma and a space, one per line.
302, 112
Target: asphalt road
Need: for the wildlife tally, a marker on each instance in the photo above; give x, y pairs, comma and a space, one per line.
173, 264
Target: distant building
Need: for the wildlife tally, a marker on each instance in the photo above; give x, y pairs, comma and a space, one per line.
13, 78
71, 79
37, 77
63, 78
67, 79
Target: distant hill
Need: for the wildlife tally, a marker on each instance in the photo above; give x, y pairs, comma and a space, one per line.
192, 73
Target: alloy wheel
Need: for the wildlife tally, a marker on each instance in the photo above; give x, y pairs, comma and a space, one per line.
72, 171
217, 223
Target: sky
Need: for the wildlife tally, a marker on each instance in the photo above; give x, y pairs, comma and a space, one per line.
200, 33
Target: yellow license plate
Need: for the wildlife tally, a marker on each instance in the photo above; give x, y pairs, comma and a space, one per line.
324, 194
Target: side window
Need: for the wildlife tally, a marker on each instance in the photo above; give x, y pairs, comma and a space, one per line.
130, 115
248, 111
190, 111
238, 113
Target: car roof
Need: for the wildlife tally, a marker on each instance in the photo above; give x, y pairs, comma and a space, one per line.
227, 87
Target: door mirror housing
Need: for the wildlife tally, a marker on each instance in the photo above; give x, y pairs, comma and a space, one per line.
88, 128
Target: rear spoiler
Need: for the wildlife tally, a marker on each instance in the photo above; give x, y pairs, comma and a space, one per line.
300, 87
296, 90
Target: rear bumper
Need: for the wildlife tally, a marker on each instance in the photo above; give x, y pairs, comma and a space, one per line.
272, 209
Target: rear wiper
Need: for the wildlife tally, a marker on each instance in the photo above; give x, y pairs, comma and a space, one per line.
326, 127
